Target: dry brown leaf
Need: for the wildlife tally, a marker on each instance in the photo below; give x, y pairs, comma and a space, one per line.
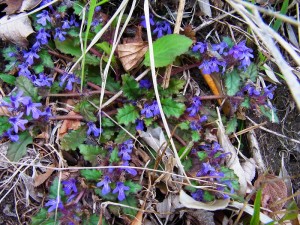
16, 29
69, 125
14, 6
189, 32
250, 168
200, 216
138, 219
274, 190
132, 51
233, 160
40, 179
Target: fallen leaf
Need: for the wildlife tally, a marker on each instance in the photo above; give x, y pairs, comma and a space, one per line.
14, 6
205, 7
191, 203
232, 161
274, 190
138, 219
69, 125
132, 51
189, 32
271, 74
250, 168
200, 216
28, 183
40, 179
15, 29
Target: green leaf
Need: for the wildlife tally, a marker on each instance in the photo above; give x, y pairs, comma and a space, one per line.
184, 125
40, 217
130, 88
130, 201
90, 152
246, 103
68, 47
208, 197
256, 214
114, 156
195, 136
53, 190
230, 175
91, 174
231, 125
251, 73
269, 113
172, 108
202, 155
283, 10
72, 140
134, 187
7, 78
123, 135
167, 48
232, 82
127, 114
291, 212
148, 121
93, 220
107, 135
16, 150
4, 124
62, 9
24, 84
228, 41
86, 109
38, 68
78, 7
46, 59
175, 86
187, 164
106, 122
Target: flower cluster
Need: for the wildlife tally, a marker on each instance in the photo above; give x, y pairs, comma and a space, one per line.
19, 106
92, 128
258, 96
113, 175
150, 110
211, 157
195, 107
161, 27
224, 56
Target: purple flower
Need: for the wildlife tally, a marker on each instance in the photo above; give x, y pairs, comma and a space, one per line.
69, 186
203, 119
125, 149
251, 90
198, 195
194, 109
17, 122
47, 113
120, 188
73, 21
145, 83
162, 28
143, 23
195, 125
97, 8
200, 46
70, 78
150, 110
139, 125
93, 129
12, 137
105, 183
220, 47
208, 170
24, 71
268, 91
29, 56
43, 18
15, 100
96, 22
66, 24
59, 34
131, 171
42, 36
242, 52
54, 203
43, 81
212, 65
32, 107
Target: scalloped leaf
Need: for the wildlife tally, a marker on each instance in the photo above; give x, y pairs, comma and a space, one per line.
127, 114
